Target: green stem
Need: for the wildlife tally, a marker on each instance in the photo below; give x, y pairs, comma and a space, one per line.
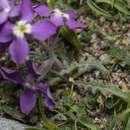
45, 123
71, 92
41, 107
75, 125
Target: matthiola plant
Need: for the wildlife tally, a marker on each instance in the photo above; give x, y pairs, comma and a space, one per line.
8, 9
28, 97
15, 33
12, 36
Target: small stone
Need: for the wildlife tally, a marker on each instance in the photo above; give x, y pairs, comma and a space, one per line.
94, 38
125, 42
124, 87
102, 19
103, 57
123, 75
7, 124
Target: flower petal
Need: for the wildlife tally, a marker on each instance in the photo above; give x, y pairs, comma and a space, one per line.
19, 50
3, 47
4, 4
73, 24
71, 13
6, 32
33, 74
27, 10
42, 10
3, 17
43, 29
27, 100
44, 89
12, 75
15, 11
57, 20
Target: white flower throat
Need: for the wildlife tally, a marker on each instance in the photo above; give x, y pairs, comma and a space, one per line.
60, 14
8, 9
21, 28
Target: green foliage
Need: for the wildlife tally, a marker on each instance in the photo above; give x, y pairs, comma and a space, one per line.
112, 103
60, 117
117, 53
84, 121
51, 4
71, 37
120, 55
97, 9
104, 89
119, 5
68, 100
46, 123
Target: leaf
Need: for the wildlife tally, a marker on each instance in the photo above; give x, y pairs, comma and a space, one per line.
8, 110
51, 4
104, 89
111, 103
60, 117
81, 67
79, 110
121, 116
41, 1
46, 66
71, 37
118, 5
71, 115
127, 60
84, 121
45, 123
97, 9
117, 53
68, 100
128, 125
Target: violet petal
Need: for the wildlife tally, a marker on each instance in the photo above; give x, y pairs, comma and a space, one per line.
12, 75
73, 24
19, 50
33, 74
27, 100
27, 10
57, 20
43, 29
44, 89
15, 11
4, 4
42, 10
3, 17
71, 13
6, 32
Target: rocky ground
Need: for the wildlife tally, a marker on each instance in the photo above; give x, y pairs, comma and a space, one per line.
103, 61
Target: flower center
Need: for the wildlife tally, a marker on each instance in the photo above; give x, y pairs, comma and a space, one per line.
58, 12
21, 28
66, 16
8, 9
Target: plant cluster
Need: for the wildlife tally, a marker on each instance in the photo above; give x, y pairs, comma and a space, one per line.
16, 22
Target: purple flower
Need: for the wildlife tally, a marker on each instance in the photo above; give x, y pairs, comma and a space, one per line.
58, 17
19, 47
42, 10
28, 97
8, 9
